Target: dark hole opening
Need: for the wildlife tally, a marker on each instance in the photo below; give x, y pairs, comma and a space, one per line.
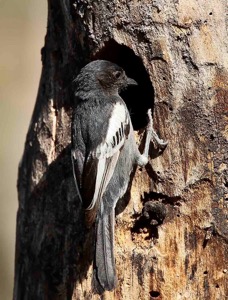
154, 294
212, 137
138, 98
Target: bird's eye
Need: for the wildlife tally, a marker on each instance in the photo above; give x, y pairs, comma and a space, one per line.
117, 74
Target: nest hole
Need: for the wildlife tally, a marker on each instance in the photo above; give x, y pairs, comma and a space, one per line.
137, 98
154, 294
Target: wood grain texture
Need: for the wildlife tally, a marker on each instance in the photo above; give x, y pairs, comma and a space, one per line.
183, 48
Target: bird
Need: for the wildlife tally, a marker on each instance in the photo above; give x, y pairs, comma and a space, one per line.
104, 153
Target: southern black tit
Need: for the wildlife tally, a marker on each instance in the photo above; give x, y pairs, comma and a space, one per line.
104, 153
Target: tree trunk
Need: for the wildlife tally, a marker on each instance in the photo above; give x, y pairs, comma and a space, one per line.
178, 53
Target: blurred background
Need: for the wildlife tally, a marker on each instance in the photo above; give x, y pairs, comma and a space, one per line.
22, 32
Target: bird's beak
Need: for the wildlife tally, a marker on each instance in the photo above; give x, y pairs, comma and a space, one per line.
131, 81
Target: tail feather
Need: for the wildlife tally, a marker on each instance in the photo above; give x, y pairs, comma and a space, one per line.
104, 264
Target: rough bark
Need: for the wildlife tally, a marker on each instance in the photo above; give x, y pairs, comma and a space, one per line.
177, 51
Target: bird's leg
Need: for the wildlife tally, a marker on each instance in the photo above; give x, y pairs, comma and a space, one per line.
152, 135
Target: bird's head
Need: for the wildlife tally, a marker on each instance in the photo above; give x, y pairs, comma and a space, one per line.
101, 75
112, 77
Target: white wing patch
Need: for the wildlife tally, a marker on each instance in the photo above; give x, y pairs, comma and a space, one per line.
108, 151
115, 136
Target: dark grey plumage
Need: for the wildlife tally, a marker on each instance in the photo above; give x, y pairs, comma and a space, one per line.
104, 152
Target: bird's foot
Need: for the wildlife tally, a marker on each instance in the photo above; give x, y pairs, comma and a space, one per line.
151, 131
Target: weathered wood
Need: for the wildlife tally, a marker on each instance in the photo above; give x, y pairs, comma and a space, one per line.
178, 53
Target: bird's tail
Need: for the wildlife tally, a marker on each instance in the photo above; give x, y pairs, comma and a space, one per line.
104, 277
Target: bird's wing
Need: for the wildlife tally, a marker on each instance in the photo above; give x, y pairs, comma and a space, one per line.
101, 162
77, 159
77, 152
